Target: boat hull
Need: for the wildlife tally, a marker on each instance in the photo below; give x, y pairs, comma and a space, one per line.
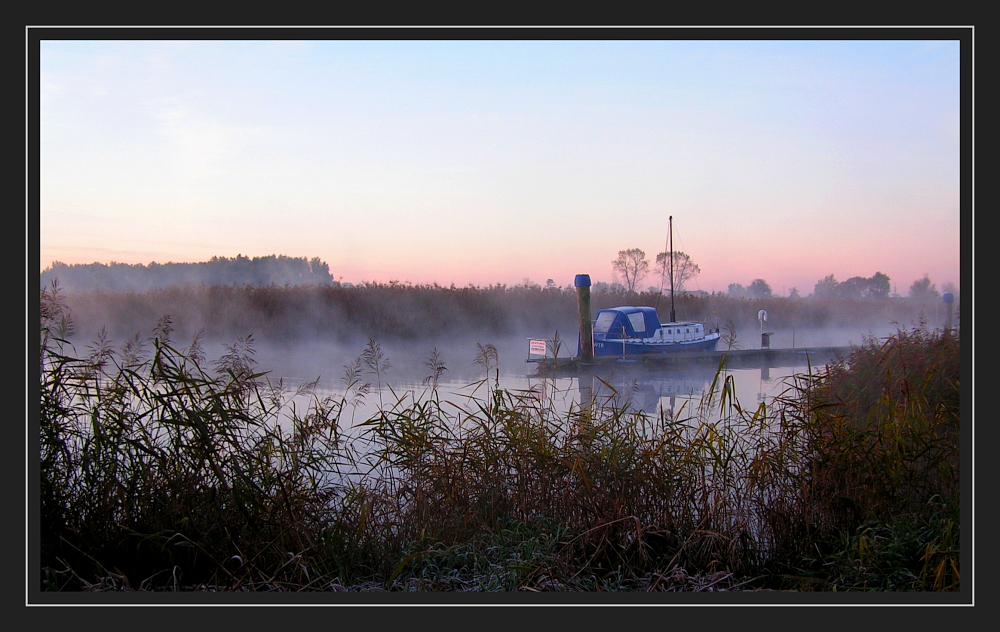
640, 347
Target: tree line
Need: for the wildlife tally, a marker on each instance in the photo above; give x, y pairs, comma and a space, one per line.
631, 267
239, 270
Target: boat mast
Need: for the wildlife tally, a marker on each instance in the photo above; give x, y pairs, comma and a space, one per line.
670, 228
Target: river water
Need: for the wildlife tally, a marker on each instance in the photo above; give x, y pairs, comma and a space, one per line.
406, 369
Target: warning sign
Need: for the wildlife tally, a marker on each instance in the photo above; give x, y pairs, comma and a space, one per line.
537, 347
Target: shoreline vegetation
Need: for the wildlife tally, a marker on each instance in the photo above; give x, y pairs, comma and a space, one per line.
163, 470
402, 312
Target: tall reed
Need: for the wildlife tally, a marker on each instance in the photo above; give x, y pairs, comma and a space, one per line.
882, 428
156, 472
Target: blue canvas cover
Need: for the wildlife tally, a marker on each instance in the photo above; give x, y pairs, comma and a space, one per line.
626, 322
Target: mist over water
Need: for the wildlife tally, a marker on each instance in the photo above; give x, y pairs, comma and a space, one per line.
308, 360
301, 335
327, 359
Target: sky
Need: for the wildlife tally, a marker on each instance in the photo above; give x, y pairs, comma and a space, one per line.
467, 161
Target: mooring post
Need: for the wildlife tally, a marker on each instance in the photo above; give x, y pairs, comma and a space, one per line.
948, 298
582, 283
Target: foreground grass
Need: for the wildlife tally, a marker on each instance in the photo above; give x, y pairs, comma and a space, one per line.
162, 471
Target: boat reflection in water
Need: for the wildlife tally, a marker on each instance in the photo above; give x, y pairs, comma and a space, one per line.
644, 389
675, 389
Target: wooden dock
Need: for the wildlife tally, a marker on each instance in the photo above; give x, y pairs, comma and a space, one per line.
734, 358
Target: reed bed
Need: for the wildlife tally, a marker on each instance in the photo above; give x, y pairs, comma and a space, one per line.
281, 314
160, 470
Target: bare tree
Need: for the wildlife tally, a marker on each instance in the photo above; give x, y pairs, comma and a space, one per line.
632, 267
684, 269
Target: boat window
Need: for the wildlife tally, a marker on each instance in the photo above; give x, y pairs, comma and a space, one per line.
604, 321
638, 322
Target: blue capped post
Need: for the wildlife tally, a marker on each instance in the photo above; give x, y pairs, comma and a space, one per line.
582, 283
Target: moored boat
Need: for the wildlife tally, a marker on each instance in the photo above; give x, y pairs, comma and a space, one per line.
627, 331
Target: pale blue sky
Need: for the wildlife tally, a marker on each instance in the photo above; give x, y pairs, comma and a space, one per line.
495, 161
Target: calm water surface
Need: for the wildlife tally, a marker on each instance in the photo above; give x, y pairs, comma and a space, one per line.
669, 388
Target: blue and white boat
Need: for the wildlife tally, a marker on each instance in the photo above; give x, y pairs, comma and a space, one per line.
628, 331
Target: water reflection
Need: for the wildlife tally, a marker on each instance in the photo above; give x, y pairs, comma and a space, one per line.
765, 377
645, 390
653, 390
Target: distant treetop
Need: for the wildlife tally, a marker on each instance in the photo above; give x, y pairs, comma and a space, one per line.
855, 287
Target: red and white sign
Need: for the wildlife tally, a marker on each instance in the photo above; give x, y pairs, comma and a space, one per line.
537, 347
